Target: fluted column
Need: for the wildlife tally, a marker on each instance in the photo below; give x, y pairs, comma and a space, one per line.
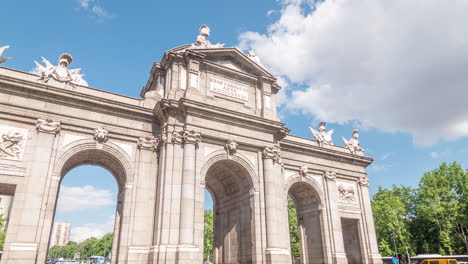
276, 251
187, 208
374, 256
338, 251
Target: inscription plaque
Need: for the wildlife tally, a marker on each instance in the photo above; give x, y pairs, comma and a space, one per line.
229, 89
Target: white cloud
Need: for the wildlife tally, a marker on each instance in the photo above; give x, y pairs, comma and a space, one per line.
81, 233
94, 7
395, 65
82, 198
435, 155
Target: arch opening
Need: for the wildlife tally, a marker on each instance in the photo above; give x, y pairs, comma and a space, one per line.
99, 177
231, 186
307, 205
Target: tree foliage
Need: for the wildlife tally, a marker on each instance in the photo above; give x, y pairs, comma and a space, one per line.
293, 231
208, 238
2, 231
432, 218
89, 247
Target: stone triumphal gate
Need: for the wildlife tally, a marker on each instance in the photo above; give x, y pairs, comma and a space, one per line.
207, 120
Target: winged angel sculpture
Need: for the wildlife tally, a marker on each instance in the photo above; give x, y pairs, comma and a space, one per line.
60, 72
353, 143
2, 50
323, 136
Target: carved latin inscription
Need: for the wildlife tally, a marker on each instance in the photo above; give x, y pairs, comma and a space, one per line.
229, 89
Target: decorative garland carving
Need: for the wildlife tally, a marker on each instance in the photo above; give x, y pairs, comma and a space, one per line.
48, 126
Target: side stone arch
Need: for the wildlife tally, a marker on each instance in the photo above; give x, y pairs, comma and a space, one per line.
85, 152
296, 178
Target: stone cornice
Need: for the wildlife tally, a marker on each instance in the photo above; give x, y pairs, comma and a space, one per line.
27, 85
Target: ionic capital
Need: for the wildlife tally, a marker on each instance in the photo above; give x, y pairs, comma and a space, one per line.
272, 152
148, 143
363, 181
48, 126
330, 175
191, 137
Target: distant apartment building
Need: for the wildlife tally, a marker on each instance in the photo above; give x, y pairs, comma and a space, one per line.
60, 234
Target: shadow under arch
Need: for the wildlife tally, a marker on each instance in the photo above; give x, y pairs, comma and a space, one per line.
308, 199
108, 156
232, 183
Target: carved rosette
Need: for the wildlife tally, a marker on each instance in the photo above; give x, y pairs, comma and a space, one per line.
191, 137
303, 171
272, 153
101, 135
363, 181
330, 175
231, 146
48, 126
148, 143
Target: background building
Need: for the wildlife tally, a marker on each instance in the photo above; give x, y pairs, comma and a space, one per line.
60, 234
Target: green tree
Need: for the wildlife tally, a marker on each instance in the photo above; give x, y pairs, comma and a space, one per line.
208, 237
293, 232
55, 252
442, 205
89, 247
393, 212
2, 231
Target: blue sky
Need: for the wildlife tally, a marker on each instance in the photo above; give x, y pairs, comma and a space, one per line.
355, 64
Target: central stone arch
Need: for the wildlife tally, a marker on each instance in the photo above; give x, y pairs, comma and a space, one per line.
232, 183
108, 156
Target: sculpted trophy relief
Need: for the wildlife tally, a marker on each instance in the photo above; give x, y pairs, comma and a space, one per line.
202, 40
2, 50
60, 72
353, 144
323, 136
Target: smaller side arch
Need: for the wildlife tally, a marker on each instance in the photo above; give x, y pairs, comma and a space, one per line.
295, 178
86, 152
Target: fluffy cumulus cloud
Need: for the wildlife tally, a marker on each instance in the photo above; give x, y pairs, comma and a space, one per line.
94, 7
394, 65
82, 198
81, 233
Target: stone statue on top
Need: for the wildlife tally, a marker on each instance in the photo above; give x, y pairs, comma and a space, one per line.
202, 40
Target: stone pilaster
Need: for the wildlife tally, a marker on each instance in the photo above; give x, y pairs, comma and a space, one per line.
373, 255
338, 251
276, 251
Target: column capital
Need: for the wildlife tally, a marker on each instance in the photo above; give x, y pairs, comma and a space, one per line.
330, 175
48, 126
363, 181
148, 143
191, 137
272, 152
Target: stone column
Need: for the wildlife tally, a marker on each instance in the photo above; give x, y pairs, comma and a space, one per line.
25, 241
338, 251
276, 252
187, 208
374, 256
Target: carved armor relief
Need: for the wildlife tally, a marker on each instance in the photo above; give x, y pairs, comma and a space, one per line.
12, 142
347, 192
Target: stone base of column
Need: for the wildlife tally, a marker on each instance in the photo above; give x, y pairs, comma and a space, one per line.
175, 254
278, 256
20, 253
340, 258
375, 259
137, 255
